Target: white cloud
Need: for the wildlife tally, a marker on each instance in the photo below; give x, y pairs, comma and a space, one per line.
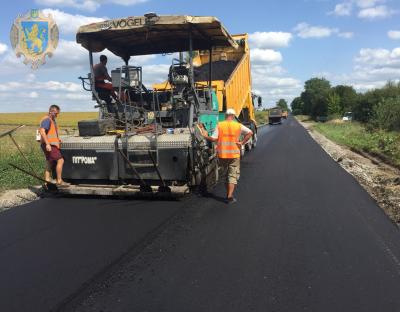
269, 82
343, 9
86, 5
69, 23
271, 69
381, 11
367, 9
270, 40
346, 35
155, 73
42, 86
265, 56
72, 96
31, 77
38, 95
3, 48
368, 3
372, 69
305, 31
69, 57
33, 95
394, 34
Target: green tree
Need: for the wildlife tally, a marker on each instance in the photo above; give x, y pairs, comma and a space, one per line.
334, 103
315, 97
348, 98
282, 104
297, 106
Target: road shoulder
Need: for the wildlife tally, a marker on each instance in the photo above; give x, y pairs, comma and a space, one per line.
380, 180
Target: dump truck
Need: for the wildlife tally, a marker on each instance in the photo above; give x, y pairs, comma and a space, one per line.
230, 81
285, 114
275, 115
152, 143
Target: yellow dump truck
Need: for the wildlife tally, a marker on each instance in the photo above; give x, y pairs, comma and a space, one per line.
230, 81
285, 114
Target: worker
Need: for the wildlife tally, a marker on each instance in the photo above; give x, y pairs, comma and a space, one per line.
50, 144
227, 135
104, 89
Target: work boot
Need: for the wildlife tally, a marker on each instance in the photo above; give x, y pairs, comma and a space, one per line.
231, 200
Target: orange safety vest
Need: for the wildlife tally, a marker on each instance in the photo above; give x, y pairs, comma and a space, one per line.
228, 134
52, 134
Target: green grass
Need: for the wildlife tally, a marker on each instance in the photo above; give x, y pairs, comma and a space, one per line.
261, 117
355, 135
11, 178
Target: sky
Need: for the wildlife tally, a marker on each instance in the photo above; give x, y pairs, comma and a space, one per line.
352, 42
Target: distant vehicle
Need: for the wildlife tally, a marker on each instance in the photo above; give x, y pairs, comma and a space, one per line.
348, 116
275, 115
284, 114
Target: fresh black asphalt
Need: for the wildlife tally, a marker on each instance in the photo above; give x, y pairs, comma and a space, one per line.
303, 236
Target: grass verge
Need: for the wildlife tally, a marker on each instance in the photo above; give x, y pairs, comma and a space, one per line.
382, 144
11, 178
261, 117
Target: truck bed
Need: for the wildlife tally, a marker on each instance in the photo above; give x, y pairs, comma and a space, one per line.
221, 70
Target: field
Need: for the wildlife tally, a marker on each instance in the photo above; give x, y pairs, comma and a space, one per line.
11, 178
67, 119
383, 144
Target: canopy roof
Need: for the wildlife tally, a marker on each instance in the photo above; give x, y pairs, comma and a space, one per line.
152, 34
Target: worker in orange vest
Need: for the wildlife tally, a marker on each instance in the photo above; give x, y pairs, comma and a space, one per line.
50, 144
227, 135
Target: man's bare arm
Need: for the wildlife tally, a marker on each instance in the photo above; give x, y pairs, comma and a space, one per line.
246, 138
205, 134
42, 132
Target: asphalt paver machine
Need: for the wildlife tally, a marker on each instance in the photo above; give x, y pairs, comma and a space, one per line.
151, 143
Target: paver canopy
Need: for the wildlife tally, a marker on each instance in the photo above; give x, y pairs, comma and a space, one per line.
154, 35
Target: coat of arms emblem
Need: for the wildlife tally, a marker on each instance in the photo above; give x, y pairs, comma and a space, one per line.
34, 36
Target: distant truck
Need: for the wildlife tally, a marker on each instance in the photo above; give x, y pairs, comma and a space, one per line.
284, 114
275, 115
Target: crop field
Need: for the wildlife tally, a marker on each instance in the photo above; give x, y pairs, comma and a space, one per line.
67, 119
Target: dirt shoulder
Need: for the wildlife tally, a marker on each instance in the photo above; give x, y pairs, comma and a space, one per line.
380, 180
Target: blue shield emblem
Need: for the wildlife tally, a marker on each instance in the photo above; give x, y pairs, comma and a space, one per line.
35, 36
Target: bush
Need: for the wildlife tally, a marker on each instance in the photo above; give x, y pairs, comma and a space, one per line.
386, 114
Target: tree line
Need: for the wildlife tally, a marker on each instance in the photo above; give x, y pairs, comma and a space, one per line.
378, 108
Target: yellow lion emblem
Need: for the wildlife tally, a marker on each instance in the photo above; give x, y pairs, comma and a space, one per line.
35, 40
34, 36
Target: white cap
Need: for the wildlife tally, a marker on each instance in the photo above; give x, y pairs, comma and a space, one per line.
230, 111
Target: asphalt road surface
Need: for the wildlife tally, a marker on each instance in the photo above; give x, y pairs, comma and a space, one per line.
303, 236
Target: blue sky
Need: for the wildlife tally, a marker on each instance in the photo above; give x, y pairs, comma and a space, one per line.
354, 42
